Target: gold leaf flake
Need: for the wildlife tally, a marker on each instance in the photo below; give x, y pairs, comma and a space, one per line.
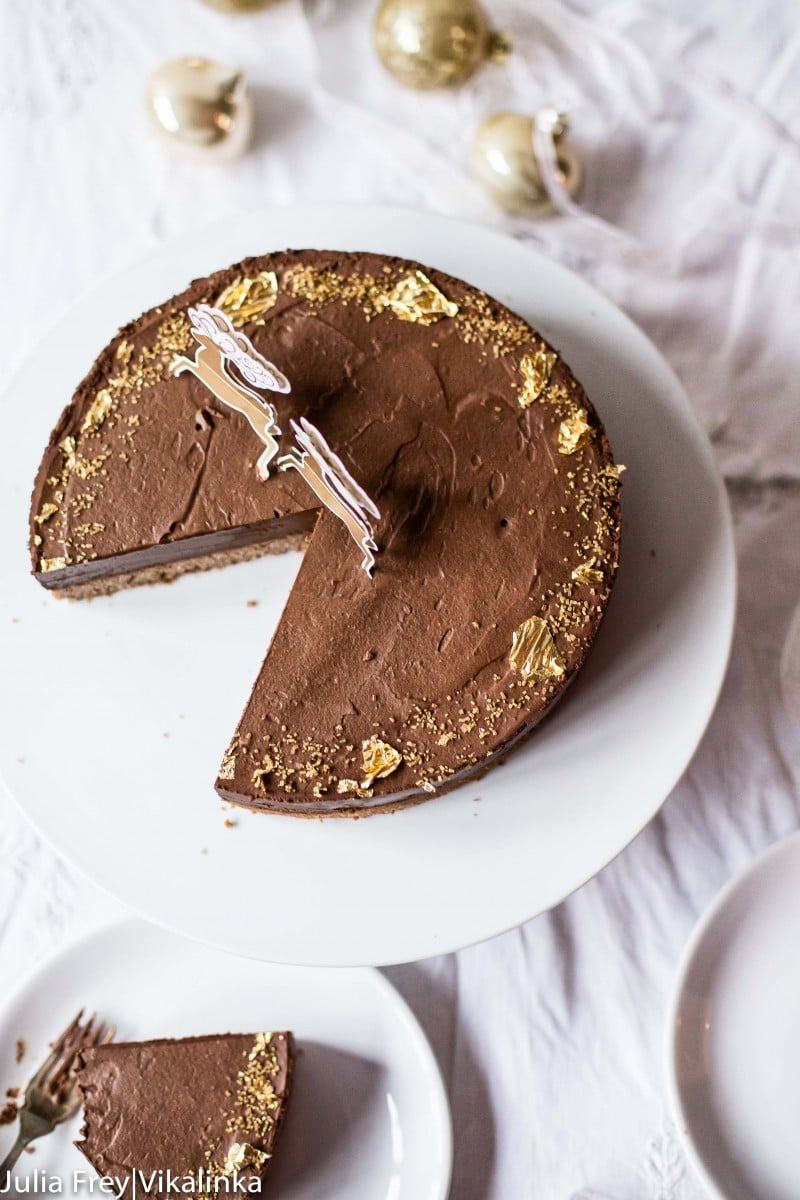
352, 785
53, 564
380, 759
415, 298
574, 433
608, 478
228, 767
48, 510
587, 572
533, 651
124, 352
242, 1155
97, 411
68, 448
536, 369
37, 541
247, 299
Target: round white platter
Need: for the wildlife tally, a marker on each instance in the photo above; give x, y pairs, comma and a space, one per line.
368, 1115
115, 712
733, 1035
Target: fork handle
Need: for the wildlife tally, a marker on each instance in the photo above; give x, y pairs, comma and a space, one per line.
10, 1159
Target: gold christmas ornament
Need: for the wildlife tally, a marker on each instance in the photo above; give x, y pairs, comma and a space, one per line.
238, 6
199, 109
429, 44
503, 159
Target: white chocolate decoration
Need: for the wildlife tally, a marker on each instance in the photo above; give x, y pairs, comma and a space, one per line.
222, 346
328, 477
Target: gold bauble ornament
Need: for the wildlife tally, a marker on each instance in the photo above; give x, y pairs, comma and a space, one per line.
429, 44
238, 6
503, 159
199, 109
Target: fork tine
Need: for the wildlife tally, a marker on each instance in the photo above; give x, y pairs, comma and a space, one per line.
64, 1069
57, 1075
87, 1032
48, 1066
70, 1030
103, 1035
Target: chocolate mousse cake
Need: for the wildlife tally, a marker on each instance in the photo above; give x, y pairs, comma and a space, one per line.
452, 483
206, 1110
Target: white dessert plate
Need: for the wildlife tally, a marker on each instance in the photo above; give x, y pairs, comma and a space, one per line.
733, 1037
368, 1114
115, 713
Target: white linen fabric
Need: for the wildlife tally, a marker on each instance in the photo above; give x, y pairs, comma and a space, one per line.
688, 119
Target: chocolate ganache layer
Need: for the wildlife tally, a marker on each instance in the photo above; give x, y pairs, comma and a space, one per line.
205, 1109
497, 540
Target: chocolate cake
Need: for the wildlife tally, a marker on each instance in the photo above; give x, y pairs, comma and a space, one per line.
207, 1110
496, 543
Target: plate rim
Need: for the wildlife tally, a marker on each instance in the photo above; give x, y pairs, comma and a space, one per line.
699, 931
119, 926
678, 398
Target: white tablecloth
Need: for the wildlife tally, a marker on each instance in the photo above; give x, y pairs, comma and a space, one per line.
688, 118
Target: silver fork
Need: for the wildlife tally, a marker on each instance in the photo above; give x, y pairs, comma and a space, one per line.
52, 1095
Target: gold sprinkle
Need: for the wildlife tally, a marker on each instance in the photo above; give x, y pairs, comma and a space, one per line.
48, 510
536, 369
446, 738
53, 564
415, 298
247, 299
97, 411
257, 1102
533, 651
87, 468
124, 352
574, 433
261, 773
587, 572
380, 759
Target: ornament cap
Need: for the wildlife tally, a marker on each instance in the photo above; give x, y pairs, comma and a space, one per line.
498, 47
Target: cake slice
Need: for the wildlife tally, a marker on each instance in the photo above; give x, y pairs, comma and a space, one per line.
200, 1110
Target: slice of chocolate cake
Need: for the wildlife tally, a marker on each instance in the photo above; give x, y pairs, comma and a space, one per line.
456, 484
204, 1111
